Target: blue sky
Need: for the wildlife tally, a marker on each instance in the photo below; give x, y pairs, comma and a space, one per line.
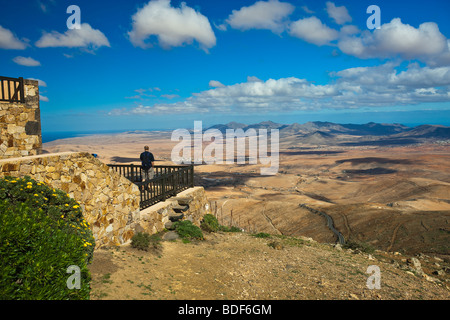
162, 64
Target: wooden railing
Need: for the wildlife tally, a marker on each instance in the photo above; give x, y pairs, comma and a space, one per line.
12, 89
167, 181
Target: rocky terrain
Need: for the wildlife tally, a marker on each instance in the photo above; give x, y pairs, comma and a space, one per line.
238, 266
385, 186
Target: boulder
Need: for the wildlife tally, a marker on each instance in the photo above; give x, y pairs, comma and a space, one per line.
171, 235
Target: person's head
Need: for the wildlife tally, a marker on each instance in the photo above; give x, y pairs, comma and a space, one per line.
146, 148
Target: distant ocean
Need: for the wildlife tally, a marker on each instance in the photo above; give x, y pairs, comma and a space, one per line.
51, 136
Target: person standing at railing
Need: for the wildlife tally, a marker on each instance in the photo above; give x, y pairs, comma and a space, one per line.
148, 161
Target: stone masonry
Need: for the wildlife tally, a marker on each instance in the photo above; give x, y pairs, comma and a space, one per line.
20, 124
110, 202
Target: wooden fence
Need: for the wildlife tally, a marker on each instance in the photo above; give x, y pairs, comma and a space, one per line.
12, 89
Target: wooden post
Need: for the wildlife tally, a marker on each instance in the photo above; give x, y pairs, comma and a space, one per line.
231, 218
22, 90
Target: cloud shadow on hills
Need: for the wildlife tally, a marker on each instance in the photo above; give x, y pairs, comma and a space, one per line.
356, 161
297, 153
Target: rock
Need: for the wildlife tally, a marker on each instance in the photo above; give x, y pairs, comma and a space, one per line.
430, 279
276, 245
171, 235
175, 216
169, 225
439, 272
417, 266
395, 263
338, 247
370, 257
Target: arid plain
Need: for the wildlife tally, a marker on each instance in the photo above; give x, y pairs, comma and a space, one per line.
394, 197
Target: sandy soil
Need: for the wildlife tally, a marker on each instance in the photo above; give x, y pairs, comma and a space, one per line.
239, 266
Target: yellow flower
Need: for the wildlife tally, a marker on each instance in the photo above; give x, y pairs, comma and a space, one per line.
76, 206
14, 181
36, 195
66, 204
54, 195
29, 186
62, 216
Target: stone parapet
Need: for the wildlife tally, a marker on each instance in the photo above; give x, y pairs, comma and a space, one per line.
110, 202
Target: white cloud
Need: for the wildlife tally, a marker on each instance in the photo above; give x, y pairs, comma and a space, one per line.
170, 96
253, 79
307, 10
216, 84
43, 98
380, 86
41, 83
173, 27
85, 37
9, 41
270, 15
313, 31
397, 39
27, 62
339, 14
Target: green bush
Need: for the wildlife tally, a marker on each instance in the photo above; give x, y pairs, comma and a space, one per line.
210, 223
229, 229
42, 233
359, 246
262, 235
187, 231
142, 241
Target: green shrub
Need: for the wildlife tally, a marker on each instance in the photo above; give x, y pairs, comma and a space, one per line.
187, 231
359, 246
210, 223
42, 233
262, 235
142, 241
229, 229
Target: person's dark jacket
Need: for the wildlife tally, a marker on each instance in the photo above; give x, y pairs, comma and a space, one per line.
147, 160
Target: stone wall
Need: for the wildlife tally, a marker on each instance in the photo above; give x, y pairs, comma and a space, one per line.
154, 218
20, 124
110, 202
